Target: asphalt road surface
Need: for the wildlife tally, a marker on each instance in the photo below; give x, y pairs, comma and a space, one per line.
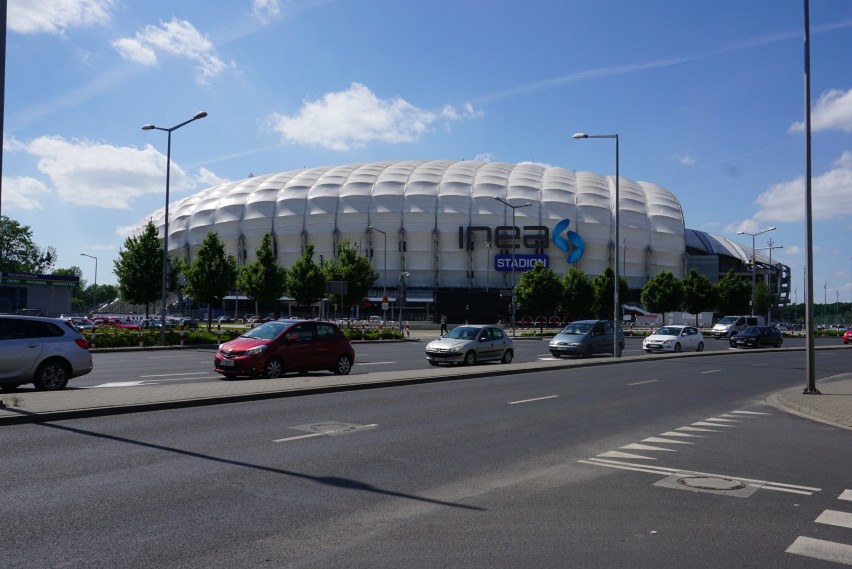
669, 463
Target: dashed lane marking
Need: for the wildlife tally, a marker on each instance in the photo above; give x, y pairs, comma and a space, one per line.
643, 382
710, 371
532, 400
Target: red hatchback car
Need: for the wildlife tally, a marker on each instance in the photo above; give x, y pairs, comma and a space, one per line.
847, 336
275, 348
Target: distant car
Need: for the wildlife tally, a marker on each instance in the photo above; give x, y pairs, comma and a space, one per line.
188, 323
275, 348
470, 344
584, 338
757, 337
81, 323
847, 336
674, 339
46, 352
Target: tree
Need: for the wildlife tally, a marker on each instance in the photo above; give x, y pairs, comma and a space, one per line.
699, 294
763, 298
262, 280
304, 281
662, 293
211, 274
539, 291
733, 294
139, 268
18, 251
604, 288
352, 267
578, 295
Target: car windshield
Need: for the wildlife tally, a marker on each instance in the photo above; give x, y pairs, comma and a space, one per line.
577, 328
728, 320
668, 331
266, 331
751, 330
462, 333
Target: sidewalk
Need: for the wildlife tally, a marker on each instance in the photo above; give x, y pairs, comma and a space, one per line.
833, 406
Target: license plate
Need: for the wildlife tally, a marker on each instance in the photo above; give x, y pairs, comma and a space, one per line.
226, 363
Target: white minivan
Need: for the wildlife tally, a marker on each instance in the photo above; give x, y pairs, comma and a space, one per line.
730, 325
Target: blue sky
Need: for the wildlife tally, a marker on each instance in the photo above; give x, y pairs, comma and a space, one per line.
707, 98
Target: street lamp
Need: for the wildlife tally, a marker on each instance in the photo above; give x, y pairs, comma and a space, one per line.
770, 246
164, 299
385, 277
616, 311
95, 308
514, 245
753, 268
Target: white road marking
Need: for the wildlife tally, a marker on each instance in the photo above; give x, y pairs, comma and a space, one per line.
117, 384
821, 549
173, 374
835, 518
637, 446
641, 382
749, 413
719, 419
324, 433
763, 364
531, 400
707, 424
616, 454
675, 434
697, 429
372, 363
845, 495
711, 371
665, 441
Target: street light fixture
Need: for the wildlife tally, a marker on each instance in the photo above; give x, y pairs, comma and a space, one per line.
753, 268
616, 310
385, 277
164, 299
770, 247
514, 245
95, 307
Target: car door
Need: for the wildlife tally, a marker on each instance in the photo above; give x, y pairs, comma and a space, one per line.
325, 346
601, 337
690, 338
296, 347
20, 349
486, 346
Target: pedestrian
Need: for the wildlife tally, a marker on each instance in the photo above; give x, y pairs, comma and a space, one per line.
443, 324
407, 329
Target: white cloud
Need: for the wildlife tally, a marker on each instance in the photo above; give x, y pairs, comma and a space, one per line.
55, 16
785, 202
97, 174
685, 160
832, 111
485, 157
354, 118
207, 178
178, 38
21, 192
266, 10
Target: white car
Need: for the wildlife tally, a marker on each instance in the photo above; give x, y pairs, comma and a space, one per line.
674, 339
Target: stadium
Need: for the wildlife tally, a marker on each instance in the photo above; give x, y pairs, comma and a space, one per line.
452, 236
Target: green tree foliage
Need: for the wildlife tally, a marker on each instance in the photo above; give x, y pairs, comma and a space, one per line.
578, 295
662, 293
18, 251
352, 267
763, 298
262, 280
604, 288
733, 294
211, 274
538, 292
139, 268
304, 281
699, 294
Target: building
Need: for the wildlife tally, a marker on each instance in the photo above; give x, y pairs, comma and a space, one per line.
436, 231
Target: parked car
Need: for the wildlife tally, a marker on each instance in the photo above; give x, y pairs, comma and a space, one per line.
275, 348
188, 323
847, 336
81, 323
470, 344
757, 337
46, 352
584, 338
674, 339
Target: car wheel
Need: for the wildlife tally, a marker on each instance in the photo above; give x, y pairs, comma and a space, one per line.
677, 347
51, 376
733, 345
274, 368
507, 357
470, 358
343, 366
700, 347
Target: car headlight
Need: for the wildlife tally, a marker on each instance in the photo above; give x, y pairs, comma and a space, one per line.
575, 343
256, 350
455, 349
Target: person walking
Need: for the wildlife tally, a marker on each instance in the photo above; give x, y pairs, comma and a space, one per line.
443, 324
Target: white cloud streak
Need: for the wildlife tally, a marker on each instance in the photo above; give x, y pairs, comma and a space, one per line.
56, 16
833, 111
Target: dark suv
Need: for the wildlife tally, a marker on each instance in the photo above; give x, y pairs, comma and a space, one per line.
46, 352
274, 348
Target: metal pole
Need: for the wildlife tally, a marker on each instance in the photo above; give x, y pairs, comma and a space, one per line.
512, 307
95, 307
810, 365
385, 277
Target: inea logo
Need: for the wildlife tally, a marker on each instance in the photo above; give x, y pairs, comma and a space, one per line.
574, 244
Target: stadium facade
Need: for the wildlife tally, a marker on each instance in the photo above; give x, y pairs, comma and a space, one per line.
441, 238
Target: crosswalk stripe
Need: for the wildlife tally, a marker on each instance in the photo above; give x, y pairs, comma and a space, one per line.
706, 424
665, 441
637, 446
835, 518
720, 420
749, 413
617, 454
845, 495
697, 429
823, 550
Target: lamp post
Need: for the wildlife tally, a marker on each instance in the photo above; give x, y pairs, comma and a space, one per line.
164, 299
487, 263
770, 246
95, 307
514, 245
616, 310
385, 277
753, 268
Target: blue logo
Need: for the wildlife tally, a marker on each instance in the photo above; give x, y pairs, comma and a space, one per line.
574, 245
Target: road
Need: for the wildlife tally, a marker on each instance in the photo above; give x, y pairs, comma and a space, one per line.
590, 467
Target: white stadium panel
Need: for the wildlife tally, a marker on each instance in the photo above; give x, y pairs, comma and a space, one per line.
594, 221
